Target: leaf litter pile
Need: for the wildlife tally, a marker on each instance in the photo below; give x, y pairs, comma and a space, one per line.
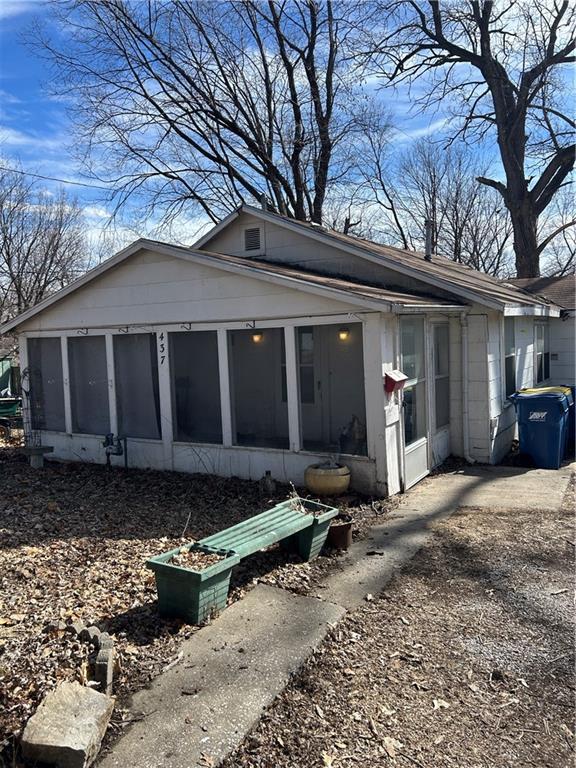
74, 539
464, 661
195, 559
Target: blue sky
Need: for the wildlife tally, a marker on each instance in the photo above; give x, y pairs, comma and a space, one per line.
35, 129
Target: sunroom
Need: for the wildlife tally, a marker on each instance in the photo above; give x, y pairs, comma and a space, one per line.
200, 362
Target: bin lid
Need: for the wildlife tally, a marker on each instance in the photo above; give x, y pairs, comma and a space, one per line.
559, 393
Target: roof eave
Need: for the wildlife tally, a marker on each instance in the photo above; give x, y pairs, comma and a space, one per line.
119, 257
381, 259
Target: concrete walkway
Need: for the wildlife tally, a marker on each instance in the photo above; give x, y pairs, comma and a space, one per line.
232, 669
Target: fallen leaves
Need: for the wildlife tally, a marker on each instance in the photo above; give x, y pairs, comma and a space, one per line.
73, 543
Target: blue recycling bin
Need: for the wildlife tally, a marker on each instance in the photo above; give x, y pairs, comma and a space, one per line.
571, 441
543, 416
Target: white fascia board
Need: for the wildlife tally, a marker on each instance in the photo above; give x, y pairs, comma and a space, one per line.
73, 286
411, 309
215, 230
537, 310
376, 258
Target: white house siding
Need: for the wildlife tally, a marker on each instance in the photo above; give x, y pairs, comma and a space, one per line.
524, 340
152, 288
478, 400
563, 350
456, 439
285, 246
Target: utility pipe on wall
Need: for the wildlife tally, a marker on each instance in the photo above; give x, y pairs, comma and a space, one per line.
465, 410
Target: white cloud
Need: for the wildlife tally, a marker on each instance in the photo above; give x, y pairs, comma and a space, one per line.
12, 138
433, 127
11, 8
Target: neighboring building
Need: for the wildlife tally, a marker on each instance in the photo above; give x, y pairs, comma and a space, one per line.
9, 370
561, 330
265, 347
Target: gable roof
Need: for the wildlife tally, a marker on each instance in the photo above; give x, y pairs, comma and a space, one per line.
441, 272
348, 291
560, 290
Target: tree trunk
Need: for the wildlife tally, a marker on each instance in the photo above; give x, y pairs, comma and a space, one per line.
524, 225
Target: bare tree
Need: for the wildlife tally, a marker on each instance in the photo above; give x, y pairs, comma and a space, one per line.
42, 246
205, 105
470, 224
500, 66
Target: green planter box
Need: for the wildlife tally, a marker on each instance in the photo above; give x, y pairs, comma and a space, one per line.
308, 543
192, 595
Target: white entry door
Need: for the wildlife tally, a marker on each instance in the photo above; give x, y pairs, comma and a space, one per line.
414, 401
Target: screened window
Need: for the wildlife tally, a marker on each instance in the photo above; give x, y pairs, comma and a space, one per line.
46, 384
195, 387
306, 364
541, 353
509, 355
257, 367
331, 379
89, 385
412, 364
442, 375
137, 393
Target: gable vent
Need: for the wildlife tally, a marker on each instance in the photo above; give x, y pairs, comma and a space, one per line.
252, 239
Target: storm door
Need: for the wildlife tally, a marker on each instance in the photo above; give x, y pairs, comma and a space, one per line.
413, 364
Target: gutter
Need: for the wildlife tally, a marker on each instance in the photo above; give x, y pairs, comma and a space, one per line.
465, 410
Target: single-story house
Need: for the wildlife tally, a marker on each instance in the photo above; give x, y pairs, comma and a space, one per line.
270, 345
562, 330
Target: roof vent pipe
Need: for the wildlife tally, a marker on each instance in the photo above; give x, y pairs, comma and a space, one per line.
263, 201
428, 233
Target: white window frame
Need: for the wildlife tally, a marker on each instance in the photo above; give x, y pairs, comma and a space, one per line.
546, 351
504, 356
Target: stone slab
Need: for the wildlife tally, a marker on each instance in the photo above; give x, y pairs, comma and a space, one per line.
67, 728
230, 671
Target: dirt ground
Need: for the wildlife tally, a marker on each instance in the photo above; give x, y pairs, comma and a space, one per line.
73, 542
465, 660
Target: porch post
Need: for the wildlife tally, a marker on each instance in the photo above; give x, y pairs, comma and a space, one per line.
165, 394
113, 413
376, 433
66, 383
225, 405
292, 388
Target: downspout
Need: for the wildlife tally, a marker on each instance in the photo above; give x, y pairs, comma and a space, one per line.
465, 412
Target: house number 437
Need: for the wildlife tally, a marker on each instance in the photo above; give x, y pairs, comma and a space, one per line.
162, 348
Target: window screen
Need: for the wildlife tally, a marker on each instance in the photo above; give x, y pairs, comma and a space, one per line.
46, 384
137, 393
256, 367
195, 387
89, 385
332, 400
413, 365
